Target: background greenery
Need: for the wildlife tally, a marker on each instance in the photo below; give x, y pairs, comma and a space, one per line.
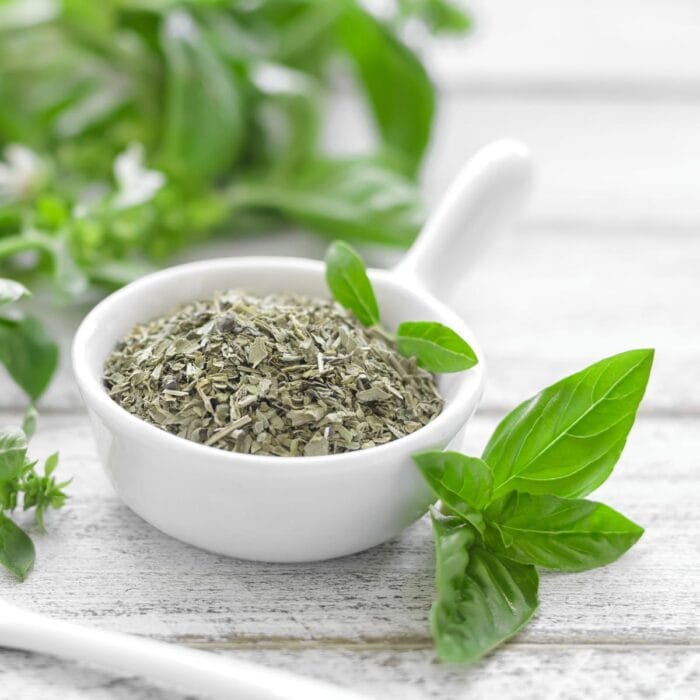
215, 107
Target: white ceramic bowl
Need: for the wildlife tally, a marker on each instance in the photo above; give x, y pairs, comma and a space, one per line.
287, 509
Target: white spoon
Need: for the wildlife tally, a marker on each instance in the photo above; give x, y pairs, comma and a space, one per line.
188, 670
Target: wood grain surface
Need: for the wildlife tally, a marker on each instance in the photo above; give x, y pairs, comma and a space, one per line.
607, 259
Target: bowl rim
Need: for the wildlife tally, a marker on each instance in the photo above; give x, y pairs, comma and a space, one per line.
95, 396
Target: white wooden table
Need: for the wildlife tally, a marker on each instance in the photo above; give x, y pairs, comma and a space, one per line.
608, 259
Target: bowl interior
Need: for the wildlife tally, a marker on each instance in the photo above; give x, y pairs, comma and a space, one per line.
155, 294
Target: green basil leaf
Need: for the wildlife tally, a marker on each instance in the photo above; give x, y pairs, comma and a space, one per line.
482, 597
437, 348
347, 279
559, 533
360, 198
11, 291
16, 548
13, 449
566, 440
28, 354
462, 483
399, 90
202, 120
291, 106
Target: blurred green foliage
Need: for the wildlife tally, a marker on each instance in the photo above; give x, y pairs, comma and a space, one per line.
134, 128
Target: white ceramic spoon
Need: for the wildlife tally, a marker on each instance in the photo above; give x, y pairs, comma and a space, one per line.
188, 670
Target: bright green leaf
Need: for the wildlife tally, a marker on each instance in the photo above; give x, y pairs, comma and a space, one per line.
347, 279
566, 440
399, 90
11, 291
290, 115
28, 354
51, 464
202, 121
359, 198
437, 348
16, 548
462, 483
482, 598
559, 533
13, 449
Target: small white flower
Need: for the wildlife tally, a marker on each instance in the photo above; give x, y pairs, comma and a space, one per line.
135, 184
21, 174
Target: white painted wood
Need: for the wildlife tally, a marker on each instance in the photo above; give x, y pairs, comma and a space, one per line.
638, 42
598, 159
515, 672
101, 563
362, 621
607, 94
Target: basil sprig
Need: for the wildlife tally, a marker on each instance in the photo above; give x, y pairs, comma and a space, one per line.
436, 348
30, 358
21, 484
518, 507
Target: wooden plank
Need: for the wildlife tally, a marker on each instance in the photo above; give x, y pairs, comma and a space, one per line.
517, 671
544, 303
102, 564
599, 158
630, 41
547, 303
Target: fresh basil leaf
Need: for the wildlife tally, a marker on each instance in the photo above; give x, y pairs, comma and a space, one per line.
559, 533
28, 354
462, 483
11, 291
436, 348
290, 114
16, 548
202, 127
399, 90
482, 598
566, 440
347, 279
13, 449
359, 198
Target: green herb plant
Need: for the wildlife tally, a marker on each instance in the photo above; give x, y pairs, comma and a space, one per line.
436, 347
132, 129
152, 125
27, 353
521, 506
22, 484
30, 358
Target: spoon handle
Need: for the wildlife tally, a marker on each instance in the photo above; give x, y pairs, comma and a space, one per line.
486, 196
188, 670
